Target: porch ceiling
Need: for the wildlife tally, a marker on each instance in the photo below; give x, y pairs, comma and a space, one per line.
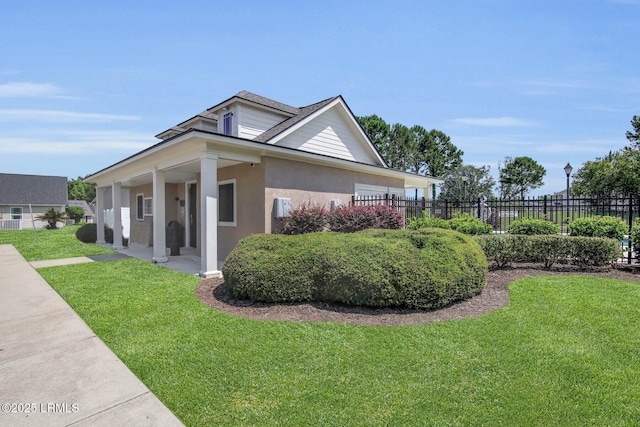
177, 174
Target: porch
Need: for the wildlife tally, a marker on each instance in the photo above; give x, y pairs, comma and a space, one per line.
189, 260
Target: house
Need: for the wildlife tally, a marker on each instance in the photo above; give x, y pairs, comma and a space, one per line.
229, 171
88, 216
24, 197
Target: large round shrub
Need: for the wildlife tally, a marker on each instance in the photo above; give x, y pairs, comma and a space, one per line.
88, 233
417, 269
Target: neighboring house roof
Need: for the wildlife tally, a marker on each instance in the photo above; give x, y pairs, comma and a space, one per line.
44, 190
81, 204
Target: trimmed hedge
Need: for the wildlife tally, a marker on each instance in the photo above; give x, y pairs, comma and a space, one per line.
349, 219
504, 249
531, 226
88, 233
381, 268
463, 223
598, 226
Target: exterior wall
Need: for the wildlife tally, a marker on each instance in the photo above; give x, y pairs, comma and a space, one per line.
308, 183
5, 214
250, 218
141, 232
329, 134
253, 121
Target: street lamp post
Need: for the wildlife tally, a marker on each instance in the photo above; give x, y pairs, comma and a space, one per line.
464, 187
567, 170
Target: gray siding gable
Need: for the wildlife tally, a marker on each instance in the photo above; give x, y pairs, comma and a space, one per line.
18, 189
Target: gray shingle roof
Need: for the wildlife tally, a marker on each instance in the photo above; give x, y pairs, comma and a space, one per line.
18, 189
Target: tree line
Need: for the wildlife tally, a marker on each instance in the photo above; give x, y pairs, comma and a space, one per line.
414, 149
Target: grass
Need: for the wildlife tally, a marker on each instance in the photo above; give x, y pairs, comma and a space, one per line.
50, 244
564, 351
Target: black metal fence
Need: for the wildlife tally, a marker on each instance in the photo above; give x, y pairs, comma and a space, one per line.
500, 213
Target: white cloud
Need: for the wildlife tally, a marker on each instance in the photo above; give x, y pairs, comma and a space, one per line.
495, 122
78, 143
16, 89
57, 116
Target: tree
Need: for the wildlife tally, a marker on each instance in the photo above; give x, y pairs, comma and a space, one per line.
414, 149
479, 184
76, 213
79, 190
614, 175
520, 175
634, 138
52, 217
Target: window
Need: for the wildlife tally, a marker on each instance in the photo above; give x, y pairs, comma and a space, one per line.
228, 123
227, 203
140, 207
16, 213
148, 206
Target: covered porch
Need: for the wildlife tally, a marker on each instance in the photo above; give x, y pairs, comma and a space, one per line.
170, 185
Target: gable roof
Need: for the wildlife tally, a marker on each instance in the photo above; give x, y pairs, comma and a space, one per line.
258, 100
16, 189
81, 204
302, 114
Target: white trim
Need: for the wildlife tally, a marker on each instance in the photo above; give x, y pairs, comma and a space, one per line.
233, 223
377, 190
146, 208
11, 214
187, 212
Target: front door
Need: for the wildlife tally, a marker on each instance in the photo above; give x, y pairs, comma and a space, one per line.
193, 228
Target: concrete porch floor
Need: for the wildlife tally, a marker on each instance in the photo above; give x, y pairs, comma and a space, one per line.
188, 261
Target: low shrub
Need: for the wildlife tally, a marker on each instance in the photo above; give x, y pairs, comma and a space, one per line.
634, 236
530, 227
427, 222
88, 233
467, 224
307, 218
462, 223
505, 249
349, 219
598, 226
417, 269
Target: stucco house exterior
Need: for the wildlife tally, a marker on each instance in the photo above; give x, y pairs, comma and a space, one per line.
24, 197
229, 171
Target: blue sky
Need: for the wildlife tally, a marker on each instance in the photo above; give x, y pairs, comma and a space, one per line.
85, 84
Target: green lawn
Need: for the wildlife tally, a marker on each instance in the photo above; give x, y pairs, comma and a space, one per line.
50, 244
565, 351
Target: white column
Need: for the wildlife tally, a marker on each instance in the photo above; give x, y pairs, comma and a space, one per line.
117, 215
159, 233
427, 192
209, 215
100, 215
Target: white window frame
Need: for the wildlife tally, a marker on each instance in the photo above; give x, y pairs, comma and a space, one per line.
233, 223
13, 215
147, 206
140, 208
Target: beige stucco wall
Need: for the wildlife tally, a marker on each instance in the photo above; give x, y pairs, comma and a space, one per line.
309, 183
140, 232
249, 216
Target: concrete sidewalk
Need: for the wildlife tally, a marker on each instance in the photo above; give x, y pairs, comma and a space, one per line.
54, 371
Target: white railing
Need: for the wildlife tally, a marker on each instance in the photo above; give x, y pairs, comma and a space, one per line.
10, 224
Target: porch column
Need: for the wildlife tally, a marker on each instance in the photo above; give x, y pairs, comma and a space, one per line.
159, 234
427, 192
100, 215
209, 215
117, 215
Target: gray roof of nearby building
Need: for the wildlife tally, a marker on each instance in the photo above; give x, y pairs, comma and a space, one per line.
18, 189
81, 204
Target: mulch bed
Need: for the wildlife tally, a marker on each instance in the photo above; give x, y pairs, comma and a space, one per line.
213, 293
